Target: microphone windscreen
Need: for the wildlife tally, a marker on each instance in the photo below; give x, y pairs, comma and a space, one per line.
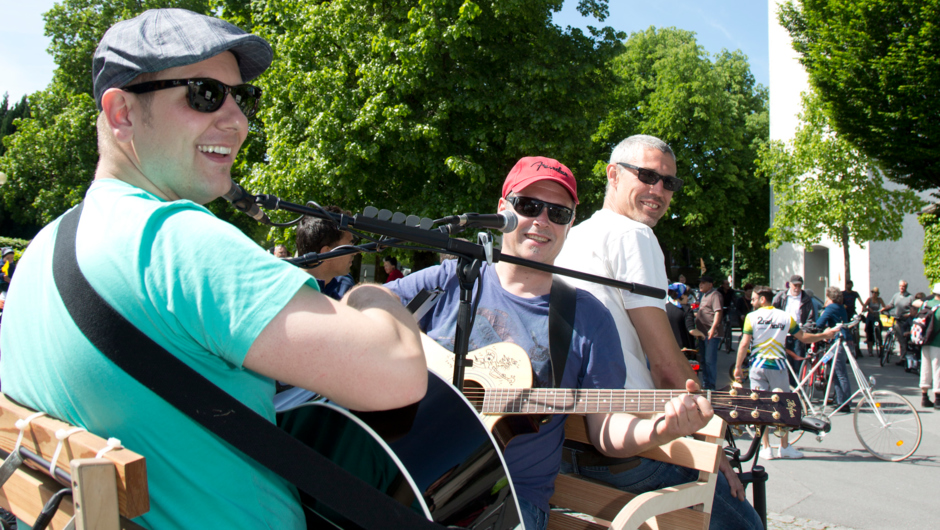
512, 221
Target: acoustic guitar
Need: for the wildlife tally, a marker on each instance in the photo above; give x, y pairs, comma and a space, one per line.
499, 385
435, 457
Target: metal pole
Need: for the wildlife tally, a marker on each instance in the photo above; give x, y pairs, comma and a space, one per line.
732, 257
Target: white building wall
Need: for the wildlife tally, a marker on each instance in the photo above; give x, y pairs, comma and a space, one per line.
879, 264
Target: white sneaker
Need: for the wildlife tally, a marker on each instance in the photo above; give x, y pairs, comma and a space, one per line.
790, 452
768, 453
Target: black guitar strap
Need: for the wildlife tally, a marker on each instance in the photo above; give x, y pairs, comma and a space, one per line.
561, 309
216, 410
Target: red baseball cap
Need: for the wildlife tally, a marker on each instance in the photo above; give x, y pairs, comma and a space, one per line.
532, 169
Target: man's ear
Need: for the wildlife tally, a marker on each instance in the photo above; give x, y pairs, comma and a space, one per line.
116, 105
503, 204
612, 174
325, 248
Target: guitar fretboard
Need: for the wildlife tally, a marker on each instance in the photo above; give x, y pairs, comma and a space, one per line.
574, 401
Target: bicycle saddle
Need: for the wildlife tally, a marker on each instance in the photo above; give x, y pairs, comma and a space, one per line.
814, 425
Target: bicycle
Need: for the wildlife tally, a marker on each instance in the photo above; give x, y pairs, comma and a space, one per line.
885, 422
726, 339
816, 379
886, 346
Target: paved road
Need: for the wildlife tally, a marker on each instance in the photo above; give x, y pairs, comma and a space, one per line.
840, 485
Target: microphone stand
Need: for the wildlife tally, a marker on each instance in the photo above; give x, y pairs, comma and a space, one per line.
470, 260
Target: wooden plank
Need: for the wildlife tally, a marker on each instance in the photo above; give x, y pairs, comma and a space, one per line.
94, 494
586, 496
133, 494
27, 492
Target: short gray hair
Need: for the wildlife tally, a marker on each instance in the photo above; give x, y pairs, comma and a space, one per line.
629, 148
834, 293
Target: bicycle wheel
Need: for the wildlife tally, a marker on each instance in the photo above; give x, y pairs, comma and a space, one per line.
895, 438
808, 382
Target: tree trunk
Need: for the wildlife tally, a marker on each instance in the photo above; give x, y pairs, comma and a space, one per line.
845, 255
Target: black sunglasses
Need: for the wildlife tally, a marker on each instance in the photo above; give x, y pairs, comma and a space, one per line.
648, 176
206, 94
529, 207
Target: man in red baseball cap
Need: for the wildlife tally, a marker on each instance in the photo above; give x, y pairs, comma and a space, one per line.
513, 307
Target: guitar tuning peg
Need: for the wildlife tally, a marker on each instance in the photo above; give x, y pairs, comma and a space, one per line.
754, 396
370, 212
755, 414
412, 220
776, 415
733, 392
733, 414
775, 398
385, 215
426, 224
398, 218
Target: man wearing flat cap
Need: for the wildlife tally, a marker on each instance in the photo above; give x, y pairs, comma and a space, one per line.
799, 304
174, 109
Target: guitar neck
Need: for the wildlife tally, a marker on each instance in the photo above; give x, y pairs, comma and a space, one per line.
576, 401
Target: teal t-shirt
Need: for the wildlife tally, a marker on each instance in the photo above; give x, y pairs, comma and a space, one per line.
178, 273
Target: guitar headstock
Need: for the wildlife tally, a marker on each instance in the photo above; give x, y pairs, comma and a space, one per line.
758, 407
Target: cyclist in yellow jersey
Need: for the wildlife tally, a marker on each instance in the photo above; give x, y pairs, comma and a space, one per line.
767, 328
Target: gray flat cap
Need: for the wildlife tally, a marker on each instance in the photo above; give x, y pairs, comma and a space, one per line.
158, 39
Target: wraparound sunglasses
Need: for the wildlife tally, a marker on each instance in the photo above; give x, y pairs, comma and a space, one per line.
529, 207
648, 176
207, 94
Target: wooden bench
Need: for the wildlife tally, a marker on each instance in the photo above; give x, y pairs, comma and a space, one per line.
608, 507
106, 491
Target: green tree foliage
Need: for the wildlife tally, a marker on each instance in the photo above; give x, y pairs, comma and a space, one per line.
49, 161
8, 115
824, 187
714, 116
52, 157
876, 67
931, 246
76, 26
423, 106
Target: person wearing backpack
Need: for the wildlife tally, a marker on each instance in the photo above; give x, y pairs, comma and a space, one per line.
930, 355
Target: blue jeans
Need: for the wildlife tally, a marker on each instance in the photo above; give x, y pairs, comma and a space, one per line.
840, 376
727, 511
533, 518
708, 358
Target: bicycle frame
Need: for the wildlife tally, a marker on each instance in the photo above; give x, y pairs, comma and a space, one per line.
863, 383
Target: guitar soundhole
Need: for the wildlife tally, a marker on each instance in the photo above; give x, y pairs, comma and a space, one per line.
474, 393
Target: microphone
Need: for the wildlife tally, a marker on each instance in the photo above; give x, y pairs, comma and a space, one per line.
245, 203
504, 221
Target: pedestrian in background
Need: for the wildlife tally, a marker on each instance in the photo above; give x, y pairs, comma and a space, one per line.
799, 304
872, 307
834, 313
900, 308
709, 321
930, 356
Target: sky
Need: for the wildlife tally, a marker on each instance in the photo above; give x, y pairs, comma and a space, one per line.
26, 67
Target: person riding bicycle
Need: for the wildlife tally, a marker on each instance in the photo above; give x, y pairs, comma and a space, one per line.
834, 313
768, 328
872, 332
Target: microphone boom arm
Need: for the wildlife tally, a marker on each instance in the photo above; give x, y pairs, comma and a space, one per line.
440, 240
